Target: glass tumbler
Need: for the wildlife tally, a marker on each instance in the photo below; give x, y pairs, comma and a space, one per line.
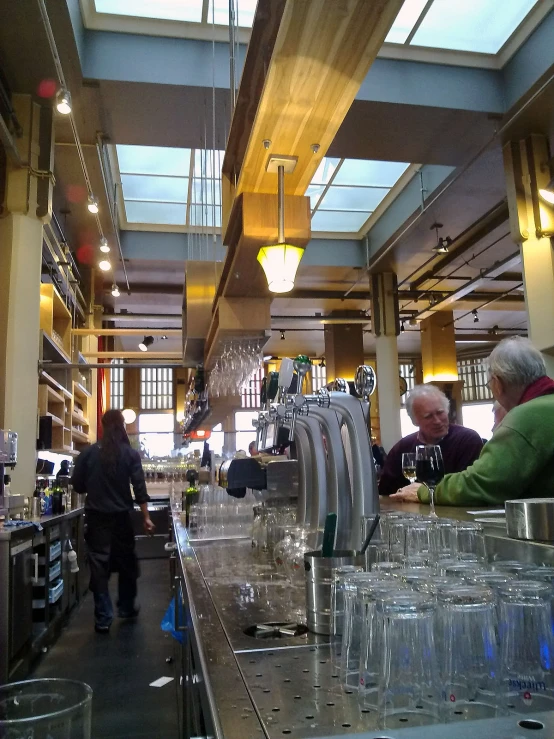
339, 576
409, 692
369, 594
526, 647
468, 656
445, 546
421, 541
467, 541
512, 567
352, 630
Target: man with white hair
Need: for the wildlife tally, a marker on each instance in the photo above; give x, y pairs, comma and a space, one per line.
518, 462
428, 407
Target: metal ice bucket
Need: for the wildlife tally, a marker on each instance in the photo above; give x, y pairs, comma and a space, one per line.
319, 578
530, 518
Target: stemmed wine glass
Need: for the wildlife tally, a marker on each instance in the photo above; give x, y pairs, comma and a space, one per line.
429, 469
409, 466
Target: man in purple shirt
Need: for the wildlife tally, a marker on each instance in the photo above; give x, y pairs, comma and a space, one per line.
428, 407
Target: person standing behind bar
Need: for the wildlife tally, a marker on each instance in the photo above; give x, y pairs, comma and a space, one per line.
428, 407
103, 471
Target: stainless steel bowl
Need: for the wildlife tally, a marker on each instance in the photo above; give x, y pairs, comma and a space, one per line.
531, 519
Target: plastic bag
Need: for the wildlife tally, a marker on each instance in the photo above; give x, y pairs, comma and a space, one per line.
168, 621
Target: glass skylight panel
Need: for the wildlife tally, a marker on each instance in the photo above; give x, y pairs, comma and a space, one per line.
201, 215
204, 164
220, 11
405, 21
338, 220
156, 160
365, 172
163, 214
203, 191
314, 192
325, 170
472, 25
353, 198
145, 187
169, 10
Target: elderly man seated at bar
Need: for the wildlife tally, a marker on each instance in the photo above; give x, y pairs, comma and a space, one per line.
428, 407
518, 462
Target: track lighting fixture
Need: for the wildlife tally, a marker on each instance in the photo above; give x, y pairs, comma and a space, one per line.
443, 243
402, 329
145, 343
547, 193
63, 101
322, 362
494, 331
104, 246
92, 204
475, 316
282, 335
115, 291
104, 265
163, 338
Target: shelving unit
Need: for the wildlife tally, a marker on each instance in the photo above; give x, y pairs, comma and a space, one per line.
80, 428
55, 319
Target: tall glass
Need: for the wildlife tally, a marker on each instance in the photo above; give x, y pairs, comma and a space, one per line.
469, 659
429, 469
47, 708
409, 466
526, 646
339, 576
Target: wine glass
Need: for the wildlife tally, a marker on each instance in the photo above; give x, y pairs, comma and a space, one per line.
409, 466
429, 469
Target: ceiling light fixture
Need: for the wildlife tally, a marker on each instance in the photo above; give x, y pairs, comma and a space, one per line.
129, 415
443, 243
164, 337
92, 204
104, 265
280, 261
547, 193
268, 357
282, 335
104, 246
145, 343
115, 291
475, 316
63, 101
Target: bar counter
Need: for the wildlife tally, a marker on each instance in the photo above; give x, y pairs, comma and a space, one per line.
248, 687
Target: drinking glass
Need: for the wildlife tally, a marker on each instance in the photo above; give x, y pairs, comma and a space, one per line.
352, 629
421, 540
387, 568
526, 647
409, 691
409, 466
414, 575
512, 567
544, 574
430, 469
468, 541
463, 570
468, 654
369, 594
339, 576
294, 556
445, 546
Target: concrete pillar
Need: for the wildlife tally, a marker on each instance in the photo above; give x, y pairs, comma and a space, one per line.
386, 327
229, 435
344, 350
20, 272
526, 165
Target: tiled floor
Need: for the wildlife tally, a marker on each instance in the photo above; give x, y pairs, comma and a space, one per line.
120, 666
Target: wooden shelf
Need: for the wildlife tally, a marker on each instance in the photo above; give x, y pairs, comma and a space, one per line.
54, 384
55, 317
80, 436
55, 420
79, 417
81, 391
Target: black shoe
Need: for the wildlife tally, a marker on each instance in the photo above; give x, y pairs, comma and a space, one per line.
129, 614
101, 629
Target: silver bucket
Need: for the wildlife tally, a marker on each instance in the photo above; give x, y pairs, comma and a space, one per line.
319, 578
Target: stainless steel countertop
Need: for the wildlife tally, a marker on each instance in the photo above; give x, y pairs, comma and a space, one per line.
285, 687
9, 532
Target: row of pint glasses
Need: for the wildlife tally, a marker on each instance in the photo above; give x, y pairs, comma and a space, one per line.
449, 640
218, 515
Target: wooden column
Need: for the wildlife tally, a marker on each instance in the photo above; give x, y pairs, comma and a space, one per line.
344, 350
438, 357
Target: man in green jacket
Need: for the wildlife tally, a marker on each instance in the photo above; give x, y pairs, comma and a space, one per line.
518, 462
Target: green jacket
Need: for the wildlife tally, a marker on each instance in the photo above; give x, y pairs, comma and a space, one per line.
518, 462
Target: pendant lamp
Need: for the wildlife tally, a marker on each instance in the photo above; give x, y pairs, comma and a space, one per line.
280, 261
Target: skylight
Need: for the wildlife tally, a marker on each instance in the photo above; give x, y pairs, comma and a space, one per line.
203, 12
345, 192
170, 187
481, 26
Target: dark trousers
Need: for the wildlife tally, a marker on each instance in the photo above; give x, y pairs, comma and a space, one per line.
111, 548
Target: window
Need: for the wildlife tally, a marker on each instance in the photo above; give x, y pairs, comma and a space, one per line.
156, 436
406, 426
474, 374
250, 394
319, 377
478, 416
407, 371
245, 432
116, 385
156, 388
